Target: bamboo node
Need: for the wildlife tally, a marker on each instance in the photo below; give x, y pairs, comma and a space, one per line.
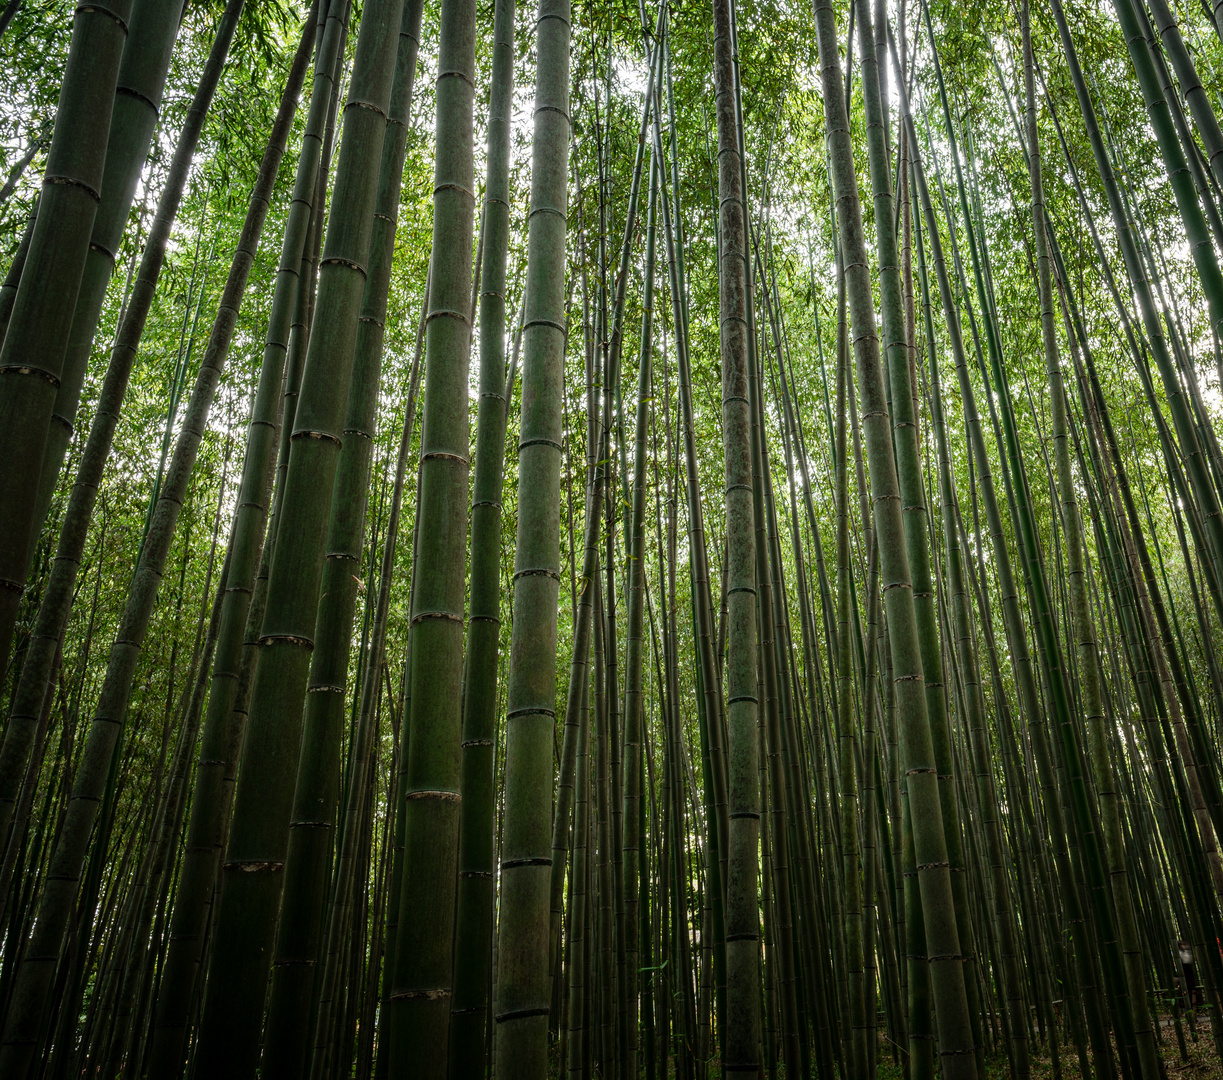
70, 181
536, 711
454, 187
439, 312
434, 793
537, 572
25, 369
325, 436
520, 1014
537, 860
94, 9
552, 108
420, 995
540, 441
455, 73
336, 260
132, 92
446, 616
360, 104
254, 866
286, 639
546, 322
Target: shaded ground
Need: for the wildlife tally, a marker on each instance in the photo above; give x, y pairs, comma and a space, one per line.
1202, 1060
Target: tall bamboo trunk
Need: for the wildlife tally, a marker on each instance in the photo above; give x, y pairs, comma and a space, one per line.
35, 343
523, 929
91, 785
142, 77
742, 1021
53, 612
252, 873
424, 951
947, 974
475, 888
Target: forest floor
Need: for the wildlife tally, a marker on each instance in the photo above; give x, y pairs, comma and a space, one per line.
1203, 1060
1203, 1057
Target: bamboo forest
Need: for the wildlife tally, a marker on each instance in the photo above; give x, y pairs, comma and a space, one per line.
602, 540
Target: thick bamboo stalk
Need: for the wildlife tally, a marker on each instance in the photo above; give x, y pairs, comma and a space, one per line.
36, 340
138, 90
475, 890
252, 877
90, 786
523, 929
315, 799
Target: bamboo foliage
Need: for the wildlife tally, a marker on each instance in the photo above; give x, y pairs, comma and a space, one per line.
878, 572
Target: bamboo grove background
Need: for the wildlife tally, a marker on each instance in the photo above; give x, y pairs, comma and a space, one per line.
610, 540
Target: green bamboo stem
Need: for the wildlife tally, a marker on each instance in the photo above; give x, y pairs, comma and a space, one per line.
315, 799
634, 711
1200, 247
741, 1022
1015, 1008
53, 612
848, 788
1016, 631
138, 91
251, 881
523, 930
475, 902
1089, 668
205, 828
938, 908
36, 339
90, 784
